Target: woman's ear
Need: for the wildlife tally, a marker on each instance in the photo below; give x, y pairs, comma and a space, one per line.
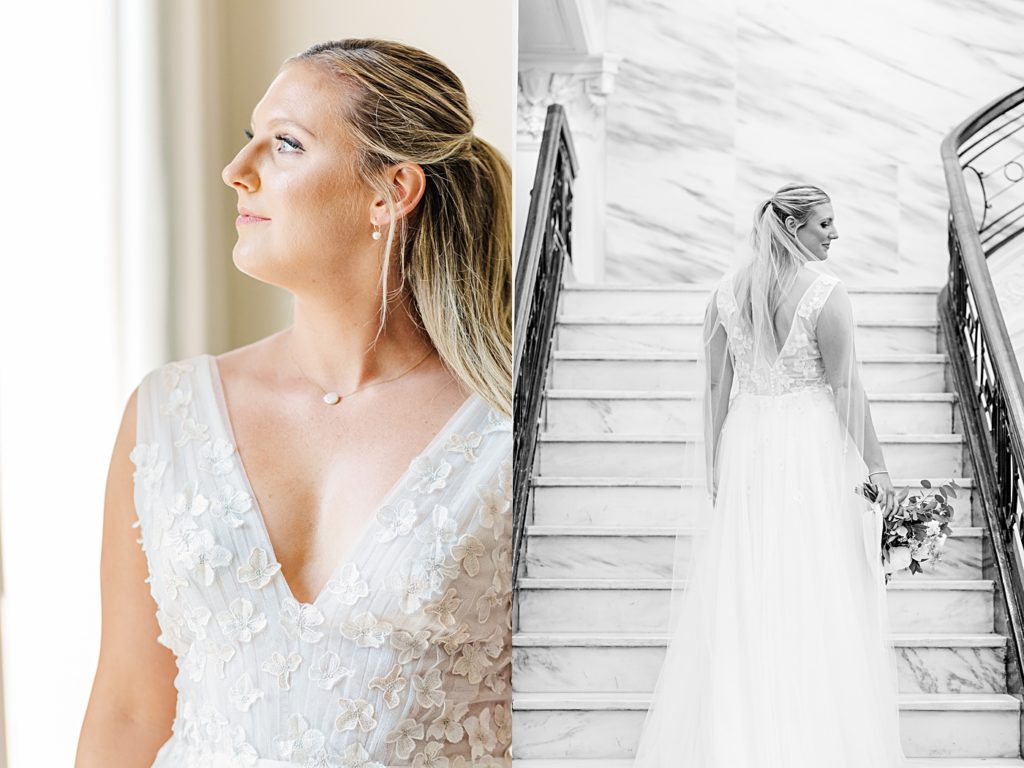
408, 183
791, 225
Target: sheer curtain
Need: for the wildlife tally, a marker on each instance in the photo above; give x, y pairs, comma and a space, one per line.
59, 360
84, 302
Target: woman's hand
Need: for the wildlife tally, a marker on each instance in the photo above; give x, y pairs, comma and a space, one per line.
886, 497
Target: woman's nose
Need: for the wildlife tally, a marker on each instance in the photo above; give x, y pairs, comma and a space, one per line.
239, 174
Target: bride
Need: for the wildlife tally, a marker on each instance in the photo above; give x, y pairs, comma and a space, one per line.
321, 513
779, 655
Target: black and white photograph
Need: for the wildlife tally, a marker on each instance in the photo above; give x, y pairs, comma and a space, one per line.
769, 416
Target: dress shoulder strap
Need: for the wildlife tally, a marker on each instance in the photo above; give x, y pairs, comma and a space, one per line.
724, 299
816, 297
163, 394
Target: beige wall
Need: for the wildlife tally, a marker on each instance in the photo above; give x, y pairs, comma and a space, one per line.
249, 39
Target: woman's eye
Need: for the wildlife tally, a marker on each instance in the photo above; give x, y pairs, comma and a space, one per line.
285, 140
295, 146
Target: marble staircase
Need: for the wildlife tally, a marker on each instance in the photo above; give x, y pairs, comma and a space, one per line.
593, 597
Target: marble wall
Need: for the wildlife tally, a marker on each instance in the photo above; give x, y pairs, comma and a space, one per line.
717, 104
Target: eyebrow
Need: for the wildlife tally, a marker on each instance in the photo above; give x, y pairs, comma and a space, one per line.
278, 120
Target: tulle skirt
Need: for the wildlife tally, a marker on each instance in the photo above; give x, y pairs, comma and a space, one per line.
780, 655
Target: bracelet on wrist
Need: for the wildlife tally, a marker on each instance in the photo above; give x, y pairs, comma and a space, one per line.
879, 472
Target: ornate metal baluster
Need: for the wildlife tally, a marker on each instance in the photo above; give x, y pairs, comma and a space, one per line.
982, 362
547, 243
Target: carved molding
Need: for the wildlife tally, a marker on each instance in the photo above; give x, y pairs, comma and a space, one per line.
580, 84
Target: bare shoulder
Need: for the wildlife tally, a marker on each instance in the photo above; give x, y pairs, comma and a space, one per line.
120, 482
129, 420
252, 363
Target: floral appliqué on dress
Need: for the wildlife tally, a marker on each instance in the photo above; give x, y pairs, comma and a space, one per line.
799, 366
405, 656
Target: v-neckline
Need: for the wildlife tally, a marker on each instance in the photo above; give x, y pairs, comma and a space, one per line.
220, 403
793, 322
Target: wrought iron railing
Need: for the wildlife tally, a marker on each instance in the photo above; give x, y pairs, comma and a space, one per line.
547, 243
985, 152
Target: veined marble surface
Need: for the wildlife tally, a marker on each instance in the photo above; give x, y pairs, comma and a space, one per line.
607, 733
660, 457
931, 610
953, 667
663, 501
651, 557
716, 105
673, 416
897, 337
590, 370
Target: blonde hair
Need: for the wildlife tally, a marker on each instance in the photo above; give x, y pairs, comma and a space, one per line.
455, 250
776, 254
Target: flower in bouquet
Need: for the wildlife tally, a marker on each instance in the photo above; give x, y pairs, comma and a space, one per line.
895, 559
916, 530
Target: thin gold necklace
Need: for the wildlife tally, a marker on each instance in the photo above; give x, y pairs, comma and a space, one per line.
333, 398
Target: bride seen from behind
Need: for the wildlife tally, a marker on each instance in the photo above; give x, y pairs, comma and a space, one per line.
780, 601
367, 442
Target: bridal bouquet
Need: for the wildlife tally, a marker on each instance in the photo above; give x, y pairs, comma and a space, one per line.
916, 530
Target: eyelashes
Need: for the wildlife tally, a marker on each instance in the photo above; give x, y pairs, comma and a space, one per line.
295, 146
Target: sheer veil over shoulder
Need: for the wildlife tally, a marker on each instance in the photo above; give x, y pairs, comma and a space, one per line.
779, 654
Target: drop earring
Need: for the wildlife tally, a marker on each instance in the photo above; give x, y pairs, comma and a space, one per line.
376, 232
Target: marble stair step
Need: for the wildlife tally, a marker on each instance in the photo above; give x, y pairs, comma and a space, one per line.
647, 552
642, 605
605, 369
659, 500
667, 412
681, 334
607, 725
912, 762
662, 371
585, 662
600, 455
912, 302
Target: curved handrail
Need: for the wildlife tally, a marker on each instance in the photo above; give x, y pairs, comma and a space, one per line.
983, 365
547, 243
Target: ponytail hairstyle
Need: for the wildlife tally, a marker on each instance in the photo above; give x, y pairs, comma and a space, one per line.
454, 251
776, 255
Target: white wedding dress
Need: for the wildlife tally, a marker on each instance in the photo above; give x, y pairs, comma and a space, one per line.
781, 656
404, 656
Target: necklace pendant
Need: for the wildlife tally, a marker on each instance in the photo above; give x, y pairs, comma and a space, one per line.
331, 398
